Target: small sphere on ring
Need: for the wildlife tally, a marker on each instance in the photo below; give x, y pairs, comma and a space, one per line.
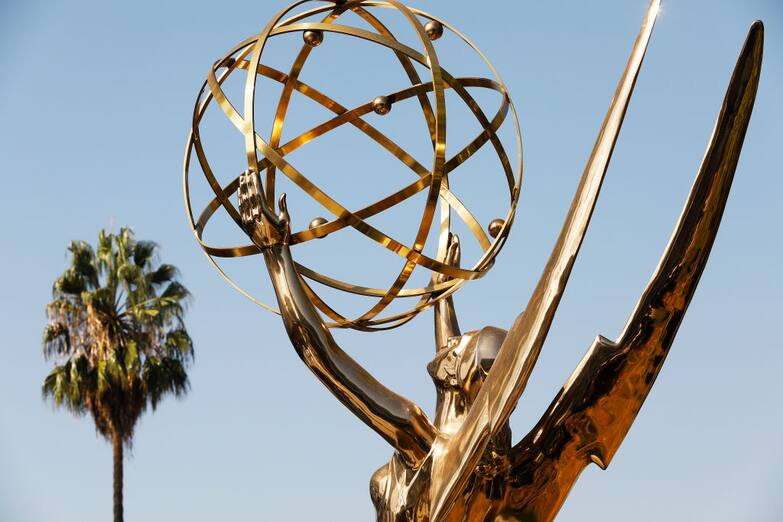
433, 29
495, 226
317, 222
381, 105
313, 37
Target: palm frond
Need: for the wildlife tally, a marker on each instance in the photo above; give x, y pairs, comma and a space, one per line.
164, 274
105, 250
143, 253
70, 282
83, 262
68, 384
56, 340
164, 375
179, 345
175, 292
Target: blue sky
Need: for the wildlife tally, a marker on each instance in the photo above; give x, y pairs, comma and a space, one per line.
95, 105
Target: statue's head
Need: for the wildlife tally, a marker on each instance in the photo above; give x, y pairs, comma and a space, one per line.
462, 365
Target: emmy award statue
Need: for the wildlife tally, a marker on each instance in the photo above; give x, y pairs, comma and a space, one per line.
462, 464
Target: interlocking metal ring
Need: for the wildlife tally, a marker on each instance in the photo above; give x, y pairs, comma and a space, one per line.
246, 56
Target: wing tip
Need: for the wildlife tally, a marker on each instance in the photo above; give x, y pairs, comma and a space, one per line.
755, 38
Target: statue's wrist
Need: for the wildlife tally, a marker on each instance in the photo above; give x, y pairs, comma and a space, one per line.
275, 251
277, 255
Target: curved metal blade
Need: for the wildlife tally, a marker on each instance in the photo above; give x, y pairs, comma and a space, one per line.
591, 415
455, 457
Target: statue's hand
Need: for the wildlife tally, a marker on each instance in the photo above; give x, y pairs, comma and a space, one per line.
452, 258
260, 222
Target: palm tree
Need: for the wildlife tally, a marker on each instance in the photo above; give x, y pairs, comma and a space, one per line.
116, 331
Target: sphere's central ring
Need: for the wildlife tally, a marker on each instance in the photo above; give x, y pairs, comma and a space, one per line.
435, 179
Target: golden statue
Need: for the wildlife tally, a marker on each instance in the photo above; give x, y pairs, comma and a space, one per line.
462, 465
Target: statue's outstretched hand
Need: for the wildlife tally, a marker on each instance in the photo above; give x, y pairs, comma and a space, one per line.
260, 222
452, 258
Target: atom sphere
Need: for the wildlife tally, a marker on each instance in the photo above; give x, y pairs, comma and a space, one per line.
495, 226
317, 222
429, 176
313, 38
381, 105
434, 30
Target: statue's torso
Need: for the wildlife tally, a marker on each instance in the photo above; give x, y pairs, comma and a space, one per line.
400, 494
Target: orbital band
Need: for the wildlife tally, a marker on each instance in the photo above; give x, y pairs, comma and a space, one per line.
434, 179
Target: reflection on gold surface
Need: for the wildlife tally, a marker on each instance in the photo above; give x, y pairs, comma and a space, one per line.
463, 464
434, 179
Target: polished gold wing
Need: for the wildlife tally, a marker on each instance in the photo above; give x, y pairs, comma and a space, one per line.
455, 457
591, 415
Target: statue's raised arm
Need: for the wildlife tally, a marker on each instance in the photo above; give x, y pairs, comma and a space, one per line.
396, 419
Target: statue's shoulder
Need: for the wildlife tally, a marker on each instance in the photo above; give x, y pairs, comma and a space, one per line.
395, 488
379, 485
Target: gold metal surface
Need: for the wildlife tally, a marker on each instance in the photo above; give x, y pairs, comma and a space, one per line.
316, 222
247, 55
463, 466
381, 105
495, 226
433, 29
313, 38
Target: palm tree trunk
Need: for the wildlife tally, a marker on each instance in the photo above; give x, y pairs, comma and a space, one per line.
116, 444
